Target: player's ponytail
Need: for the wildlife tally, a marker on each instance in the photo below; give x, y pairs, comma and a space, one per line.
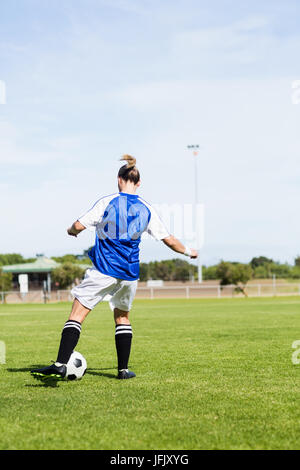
129, 172
131, 161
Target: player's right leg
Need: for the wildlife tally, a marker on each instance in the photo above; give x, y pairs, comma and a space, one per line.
69, 339
121, 303
123, 337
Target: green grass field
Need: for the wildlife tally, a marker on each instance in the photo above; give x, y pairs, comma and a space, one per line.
211, 374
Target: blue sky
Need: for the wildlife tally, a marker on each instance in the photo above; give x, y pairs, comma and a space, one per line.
89, 80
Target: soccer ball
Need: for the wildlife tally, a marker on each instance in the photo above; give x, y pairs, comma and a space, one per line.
76, 366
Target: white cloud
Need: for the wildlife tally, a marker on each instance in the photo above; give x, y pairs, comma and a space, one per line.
12, 151
129, 6
18, 146
248, 41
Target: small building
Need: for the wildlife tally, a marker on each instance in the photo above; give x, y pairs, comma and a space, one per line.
38, 272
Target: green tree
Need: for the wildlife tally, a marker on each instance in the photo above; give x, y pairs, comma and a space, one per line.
11, 258
66, 274
65, 259
261, 272
236, 274
281, 270
181, 270
168, 270
14, 258
210, 273
75, 259
297, 261
295, 272
224, 273
162, 270
159, 270
260, 261
144, 272
182, 273
5, 282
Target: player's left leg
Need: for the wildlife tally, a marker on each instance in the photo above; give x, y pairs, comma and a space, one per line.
87, 294
123, 339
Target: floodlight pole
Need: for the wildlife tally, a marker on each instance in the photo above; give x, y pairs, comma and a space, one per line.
195, 149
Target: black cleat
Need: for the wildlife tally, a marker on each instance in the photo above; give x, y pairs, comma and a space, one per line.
125, 374
52, 372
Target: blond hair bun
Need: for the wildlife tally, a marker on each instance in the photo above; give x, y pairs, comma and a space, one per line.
131, 161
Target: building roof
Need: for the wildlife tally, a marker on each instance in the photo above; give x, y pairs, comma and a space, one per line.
41, 265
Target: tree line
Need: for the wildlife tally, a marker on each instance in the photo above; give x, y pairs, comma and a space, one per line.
227, 272
258, 268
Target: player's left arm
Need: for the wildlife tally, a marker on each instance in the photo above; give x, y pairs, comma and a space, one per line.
157, 229
76, 228
176, 245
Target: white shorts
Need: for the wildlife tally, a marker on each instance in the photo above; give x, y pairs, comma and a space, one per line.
96, 287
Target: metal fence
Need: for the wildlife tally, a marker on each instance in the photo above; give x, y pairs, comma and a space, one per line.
178, 291
35, 296
217, 291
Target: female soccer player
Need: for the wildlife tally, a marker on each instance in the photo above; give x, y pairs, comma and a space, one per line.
119, 219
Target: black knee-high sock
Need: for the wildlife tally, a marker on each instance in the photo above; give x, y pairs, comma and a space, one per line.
69, 339
123, 338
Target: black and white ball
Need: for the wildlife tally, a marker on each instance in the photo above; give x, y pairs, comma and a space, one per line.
76, 367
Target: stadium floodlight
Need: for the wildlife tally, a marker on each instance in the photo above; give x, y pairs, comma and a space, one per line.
195, 149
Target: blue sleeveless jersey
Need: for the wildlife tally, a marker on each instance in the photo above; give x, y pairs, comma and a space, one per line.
120, 220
